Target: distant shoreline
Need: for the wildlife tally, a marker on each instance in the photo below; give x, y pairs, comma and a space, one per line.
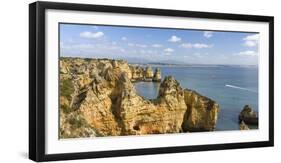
190, 65
162, 64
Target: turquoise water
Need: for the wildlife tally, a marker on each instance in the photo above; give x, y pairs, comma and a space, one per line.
231, 86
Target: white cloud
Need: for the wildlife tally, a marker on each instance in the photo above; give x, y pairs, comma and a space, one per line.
247, 53
137, 45
131, 44
199, 46
186, 45
156, 45
174, 39
196, 45
122, 50
250, 43
124, 38
208, 34
147, 52
91, 35
254, 37
78, 47
141, 45
87, 49
251, 40
168, 50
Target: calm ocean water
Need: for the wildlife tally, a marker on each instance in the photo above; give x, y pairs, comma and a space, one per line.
231, 86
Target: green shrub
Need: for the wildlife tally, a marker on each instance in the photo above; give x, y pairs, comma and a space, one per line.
66, 109
66, 88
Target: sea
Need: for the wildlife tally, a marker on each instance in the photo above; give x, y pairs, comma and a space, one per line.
232, 87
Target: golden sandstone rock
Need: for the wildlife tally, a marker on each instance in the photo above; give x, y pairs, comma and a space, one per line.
201, 114
103, 101
144, 74
157, 75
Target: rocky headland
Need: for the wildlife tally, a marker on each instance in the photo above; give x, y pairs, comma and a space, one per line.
98, 98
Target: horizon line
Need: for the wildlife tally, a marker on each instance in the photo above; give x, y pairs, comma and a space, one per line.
164, 63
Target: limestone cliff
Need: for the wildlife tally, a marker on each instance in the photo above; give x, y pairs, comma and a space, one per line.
201, 114
157, 75
98, 98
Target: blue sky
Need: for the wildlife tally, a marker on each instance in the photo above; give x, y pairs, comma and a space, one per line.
159, 45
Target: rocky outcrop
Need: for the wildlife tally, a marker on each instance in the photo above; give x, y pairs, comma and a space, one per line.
201, 114
248, 115
145, 74
98, 98
73, 125
137, 73
243, 126
162, 115
148, 73
157, 75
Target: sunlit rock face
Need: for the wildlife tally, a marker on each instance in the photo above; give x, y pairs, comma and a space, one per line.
145, 74
157, 75
97, 98
201, 114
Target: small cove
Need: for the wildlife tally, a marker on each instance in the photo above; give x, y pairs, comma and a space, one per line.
148, 90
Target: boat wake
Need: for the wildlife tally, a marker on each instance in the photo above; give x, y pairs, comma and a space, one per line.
241, 88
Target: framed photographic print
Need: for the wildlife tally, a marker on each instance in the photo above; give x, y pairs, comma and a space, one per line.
111, 81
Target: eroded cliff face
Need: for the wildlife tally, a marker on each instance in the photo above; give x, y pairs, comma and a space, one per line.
141, 116
201, 114
97, 98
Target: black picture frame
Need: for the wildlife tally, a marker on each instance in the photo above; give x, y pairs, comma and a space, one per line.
37, 78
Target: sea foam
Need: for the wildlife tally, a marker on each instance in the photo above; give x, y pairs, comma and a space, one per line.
241, 88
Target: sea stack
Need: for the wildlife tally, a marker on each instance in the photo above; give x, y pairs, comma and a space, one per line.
144, 74
248, 115
148, 74
137, 73
157, 75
